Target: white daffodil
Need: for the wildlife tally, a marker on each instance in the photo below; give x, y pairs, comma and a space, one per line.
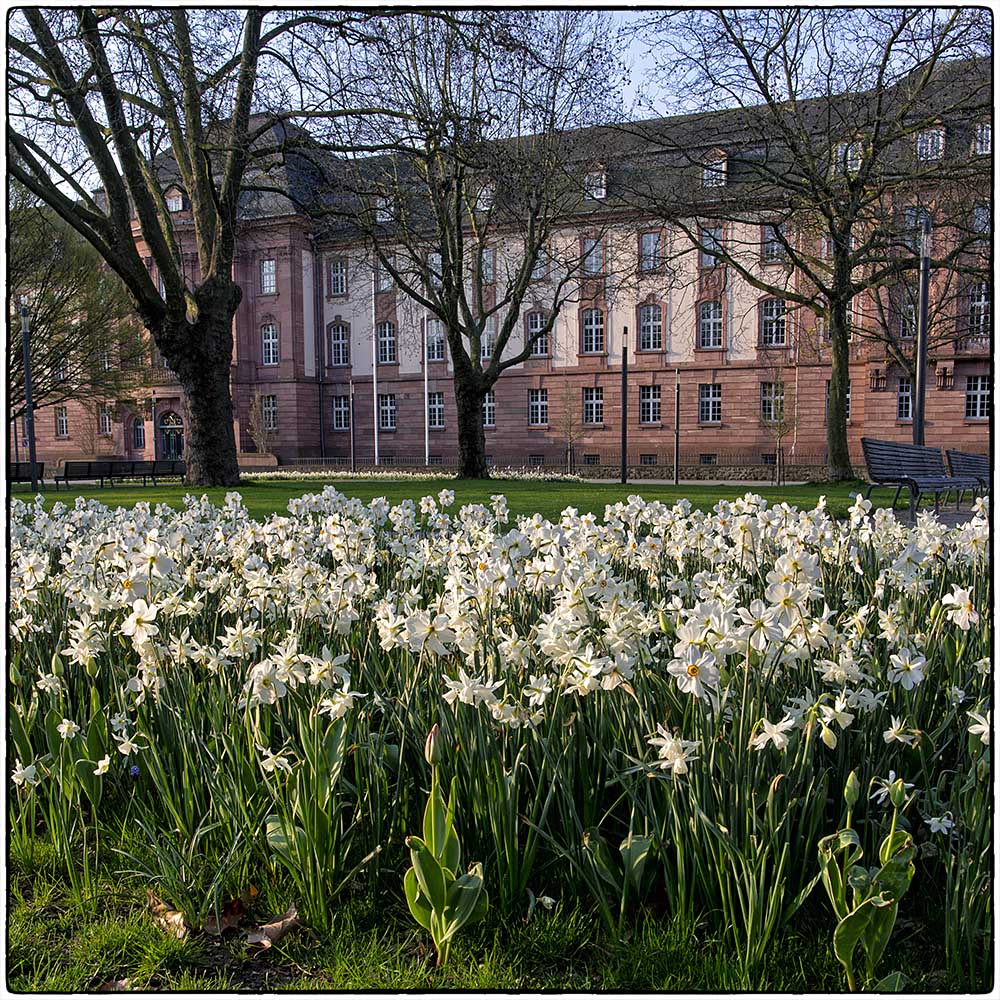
897, 733
24, 774
67, 729
981, 725
961, 609
139, 626
775, 733
102, 765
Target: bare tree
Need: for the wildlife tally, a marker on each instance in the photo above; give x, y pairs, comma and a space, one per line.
835, 131
465, 216
260, 433
77, 311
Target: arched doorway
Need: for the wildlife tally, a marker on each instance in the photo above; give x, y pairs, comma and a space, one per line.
171, 436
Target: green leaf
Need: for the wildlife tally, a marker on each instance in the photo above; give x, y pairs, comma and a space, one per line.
877, 935
20, 737
859, 880
452, 851
463, 897
416, 900
893, 983
92, 783
97, 736
435, 819
635, 853
849, 932
891, 845
429, 874
52, 737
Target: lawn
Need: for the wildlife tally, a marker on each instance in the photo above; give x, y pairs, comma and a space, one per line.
549, 499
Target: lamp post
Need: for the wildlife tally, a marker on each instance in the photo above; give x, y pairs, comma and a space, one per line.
677, 425
29, 405
925, 281
625, 406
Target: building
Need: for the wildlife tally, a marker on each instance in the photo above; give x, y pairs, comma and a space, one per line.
318, 321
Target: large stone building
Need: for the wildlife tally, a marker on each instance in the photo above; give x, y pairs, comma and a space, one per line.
315, 320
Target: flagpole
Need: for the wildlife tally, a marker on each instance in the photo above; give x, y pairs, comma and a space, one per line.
427, 416
375, 359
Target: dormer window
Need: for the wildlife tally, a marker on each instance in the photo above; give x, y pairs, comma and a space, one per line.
847, 157
982, 141
484, 200
930, 145
175, 201
595, 185
713, 172
383, 209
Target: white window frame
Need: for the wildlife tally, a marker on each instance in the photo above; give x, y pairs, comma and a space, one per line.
651, 327
62, 422
435, 409
383, 209
540, 267
593, 256
904, 398
175, 202
435, 339
982, 139
978, 397
387, 411
104, 421
930, 145
105, 359
907, 318
538, 407
269, 412
650, 250
772, 402
593, 331
713, 173
710, 330
772, 249
650, 399
269, 347
773, 331
593, 405
434, 269
595, 185
387, 343
485, 197
490, 408
488, 271
710, 403
847, 157
847, 402
488, 339
339, 344
268, 276
138, 435
337, 277
341, 413
708, 236
383, 280
980, 310
535, 321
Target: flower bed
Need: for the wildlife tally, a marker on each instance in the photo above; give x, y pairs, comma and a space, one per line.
665, 706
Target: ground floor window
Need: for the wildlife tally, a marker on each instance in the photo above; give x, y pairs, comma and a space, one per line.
978, 393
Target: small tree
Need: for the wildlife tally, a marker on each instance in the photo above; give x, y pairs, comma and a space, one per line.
569, 424
778, 414
263, 437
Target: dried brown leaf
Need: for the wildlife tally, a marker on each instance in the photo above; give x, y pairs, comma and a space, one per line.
269, 934
172, 921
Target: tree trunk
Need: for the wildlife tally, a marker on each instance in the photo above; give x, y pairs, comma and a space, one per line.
201, 355
469, 396
838, 464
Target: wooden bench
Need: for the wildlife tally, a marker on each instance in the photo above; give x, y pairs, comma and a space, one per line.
111, 470
20, 472
916, 468
967, 463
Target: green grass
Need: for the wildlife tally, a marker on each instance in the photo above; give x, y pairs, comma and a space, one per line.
548, 499
56, 946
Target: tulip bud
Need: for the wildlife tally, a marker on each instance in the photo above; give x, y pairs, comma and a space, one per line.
852, 789
897, 793
829, 736
433, 749
92, 668
57, 665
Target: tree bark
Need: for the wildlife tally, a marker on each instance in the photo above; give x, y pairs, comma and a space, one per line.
469, 396
838, 463
201, 355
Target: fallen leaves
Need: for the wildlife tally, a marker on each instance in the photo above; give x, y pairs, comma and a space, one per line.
172, 921
232, 913
269, 934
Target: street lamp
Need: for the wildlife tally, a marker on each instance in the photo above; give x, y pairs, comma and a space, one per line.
29, 405
925, 281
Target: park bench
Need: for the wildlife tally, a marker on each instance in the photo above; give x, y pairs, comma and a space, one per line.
115, 469
966, 464
20, 472
913, 467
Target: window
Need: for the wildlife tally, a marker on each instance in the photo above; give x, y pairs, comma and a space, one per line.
488, 339
138, 435
104, 421
536, 460
913, 227
62, 368
772, 323
710, 403
713, 173
336, 276
711, 242
847, 157
772, 402
591, 459
647, 460
105, 360
904, 398
593, 331
383, 209
387, 343
773, 240
650, 251
490, 409
907, 318
62, 422
489, 460
930, 144
593, 256
387, 412
650, 328
704, 459
982, 221
595, 184
269, 412
540, 268
980, 310
268, 277
341, 413
484, 200
710, 324
175, 201
538, 407
593, 406
769, 458
489, 266
269, 344
434, 460
982, 143
435, 340
978, 392
435, 409
434, 269
540, 347
847, 401
649, 404
383, 281
340, 345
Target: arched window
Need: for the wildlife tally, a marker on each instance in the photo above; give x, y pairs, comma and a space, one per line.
269, 344
651, 327
339, 344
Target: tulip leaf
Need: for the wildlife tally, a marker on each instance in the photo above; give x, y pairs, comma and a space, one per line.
416, 900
